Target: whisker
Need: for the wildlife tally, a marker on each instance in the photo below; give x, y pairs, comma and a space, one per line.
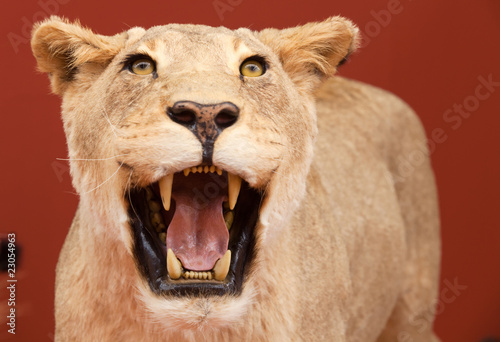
105, 114
127, 186
90, 159
130, 199
119, 167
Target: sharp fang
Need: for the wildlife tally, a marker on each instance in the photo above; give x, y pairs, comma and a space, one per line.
234, 183
166, 190
221, 267
173, 265
186, 171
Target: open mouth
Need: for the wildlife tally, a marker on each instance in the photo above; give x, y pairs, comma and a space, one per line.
193, 231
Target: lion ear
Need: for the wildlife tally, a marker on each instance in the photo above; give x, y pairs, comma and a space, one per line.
61, 47
312, 52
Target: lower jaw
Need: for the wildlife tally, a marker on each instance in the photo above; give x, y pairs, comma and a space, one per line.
150, 252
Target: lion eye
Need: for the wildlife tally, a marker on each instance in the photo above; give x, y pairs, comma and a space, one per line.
252, 68
143, 67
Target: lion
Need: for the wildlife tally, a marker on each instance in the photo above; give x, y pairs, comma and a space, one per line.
231, 188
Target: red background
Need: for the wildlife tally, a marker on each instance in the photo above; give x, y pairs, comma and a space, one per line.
430, 53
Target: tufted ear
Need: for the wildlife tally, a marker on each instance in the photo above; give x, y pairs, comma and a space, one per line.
312, 52
61, 48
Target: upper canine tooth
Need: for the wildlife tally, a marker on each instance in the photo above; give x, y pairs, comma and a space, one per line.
166, 190
234, 186
219, 171
173, 265
221, 267
186, 171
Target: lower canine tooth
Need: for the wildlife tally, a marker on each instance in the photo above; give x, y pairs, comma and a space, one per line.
234, 186
221, 267
173, 265
166, 190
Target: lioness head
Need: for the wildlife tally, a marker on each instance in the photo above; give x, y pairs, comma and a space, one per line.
190, 145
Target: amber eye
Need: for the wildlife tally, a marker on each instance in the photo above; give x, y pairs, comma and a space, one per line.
143, 67
252, 68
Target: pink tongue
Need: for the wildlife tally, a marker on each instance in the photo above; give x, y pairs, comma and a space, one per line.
197, 233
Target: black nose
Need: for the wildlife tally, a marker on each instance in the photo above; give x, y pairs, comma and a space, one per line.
205, 121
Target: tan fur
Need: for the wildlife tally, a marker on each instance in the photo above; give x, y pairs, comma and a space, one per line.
344, 250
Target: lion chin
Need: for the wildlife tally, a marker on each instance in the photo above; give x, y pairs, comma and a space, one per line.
231, 189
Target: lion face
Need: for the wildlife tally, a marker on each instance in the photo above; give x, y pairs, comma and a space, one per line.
199, 142
191, 144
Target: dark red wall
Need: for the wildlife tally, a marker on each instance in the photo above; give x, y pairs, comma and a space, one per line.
434, 54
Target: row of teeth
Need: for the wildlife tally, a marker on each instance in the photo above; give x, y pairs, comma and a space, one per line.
198, 275
219, 272
233, 182
203, 169
155, 216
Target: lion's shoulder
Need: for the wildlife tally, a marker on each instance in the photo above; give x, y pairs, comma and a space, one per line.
366, 115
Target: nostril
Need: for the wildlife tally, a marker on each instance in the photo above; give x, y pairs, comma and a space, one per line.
226, 118
196, 116
185, 116
182, 116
